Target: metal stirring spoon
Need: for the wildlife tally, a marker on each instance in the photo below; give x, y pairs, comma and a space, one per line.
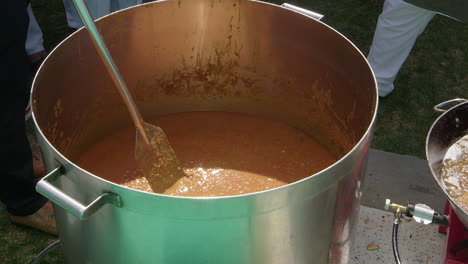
153, 153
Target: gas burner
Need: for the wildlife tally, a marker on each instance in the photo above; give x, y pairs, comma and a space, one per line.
457, 238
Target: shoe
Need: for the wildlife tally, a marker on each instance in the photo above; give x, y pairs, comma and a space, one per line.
43, 219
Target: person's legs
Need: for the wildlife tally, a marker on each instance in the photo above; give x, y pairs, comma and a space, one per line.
17, 190
73, 19
97, 9
121, 4
398, 27
34, 42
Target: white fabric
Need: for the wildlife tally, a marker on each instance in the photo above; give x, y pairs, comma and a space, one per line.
97, 8
34, 40
398, 27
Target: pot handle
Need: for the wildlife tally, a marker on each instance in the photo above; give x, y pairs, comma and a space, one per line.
304, 11
441, 107
57, 196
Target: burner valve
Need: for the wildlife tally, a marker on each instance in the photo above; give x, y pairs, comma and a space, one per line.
421, 213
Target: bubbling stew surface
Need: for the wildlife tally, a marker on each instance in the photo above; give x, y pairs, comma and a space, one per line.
222, 154
455, 172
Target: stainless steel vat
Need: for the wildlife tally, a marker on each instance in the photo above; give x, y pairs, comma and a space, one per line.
447, 129
190, 55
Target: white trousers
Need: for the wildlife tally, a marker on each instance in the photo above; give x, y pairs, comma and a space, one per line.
398, 27
97, 8
34, 40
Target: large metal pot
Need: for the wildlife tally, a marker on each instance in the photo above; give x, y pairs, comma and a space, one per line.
447, 129
190, 55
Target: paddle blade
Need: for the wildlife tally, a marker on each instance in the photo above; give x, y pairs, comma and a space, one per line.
157, 160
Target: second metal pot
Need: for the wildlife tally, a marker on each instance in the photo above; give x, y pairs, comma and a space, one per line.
445, 131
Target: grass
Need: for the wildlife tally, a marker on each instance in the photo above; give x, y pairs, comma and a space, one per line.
20, 244
435, 71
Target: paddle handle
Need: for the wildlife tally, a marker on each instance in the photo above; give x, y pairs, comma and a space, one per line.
110, 66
